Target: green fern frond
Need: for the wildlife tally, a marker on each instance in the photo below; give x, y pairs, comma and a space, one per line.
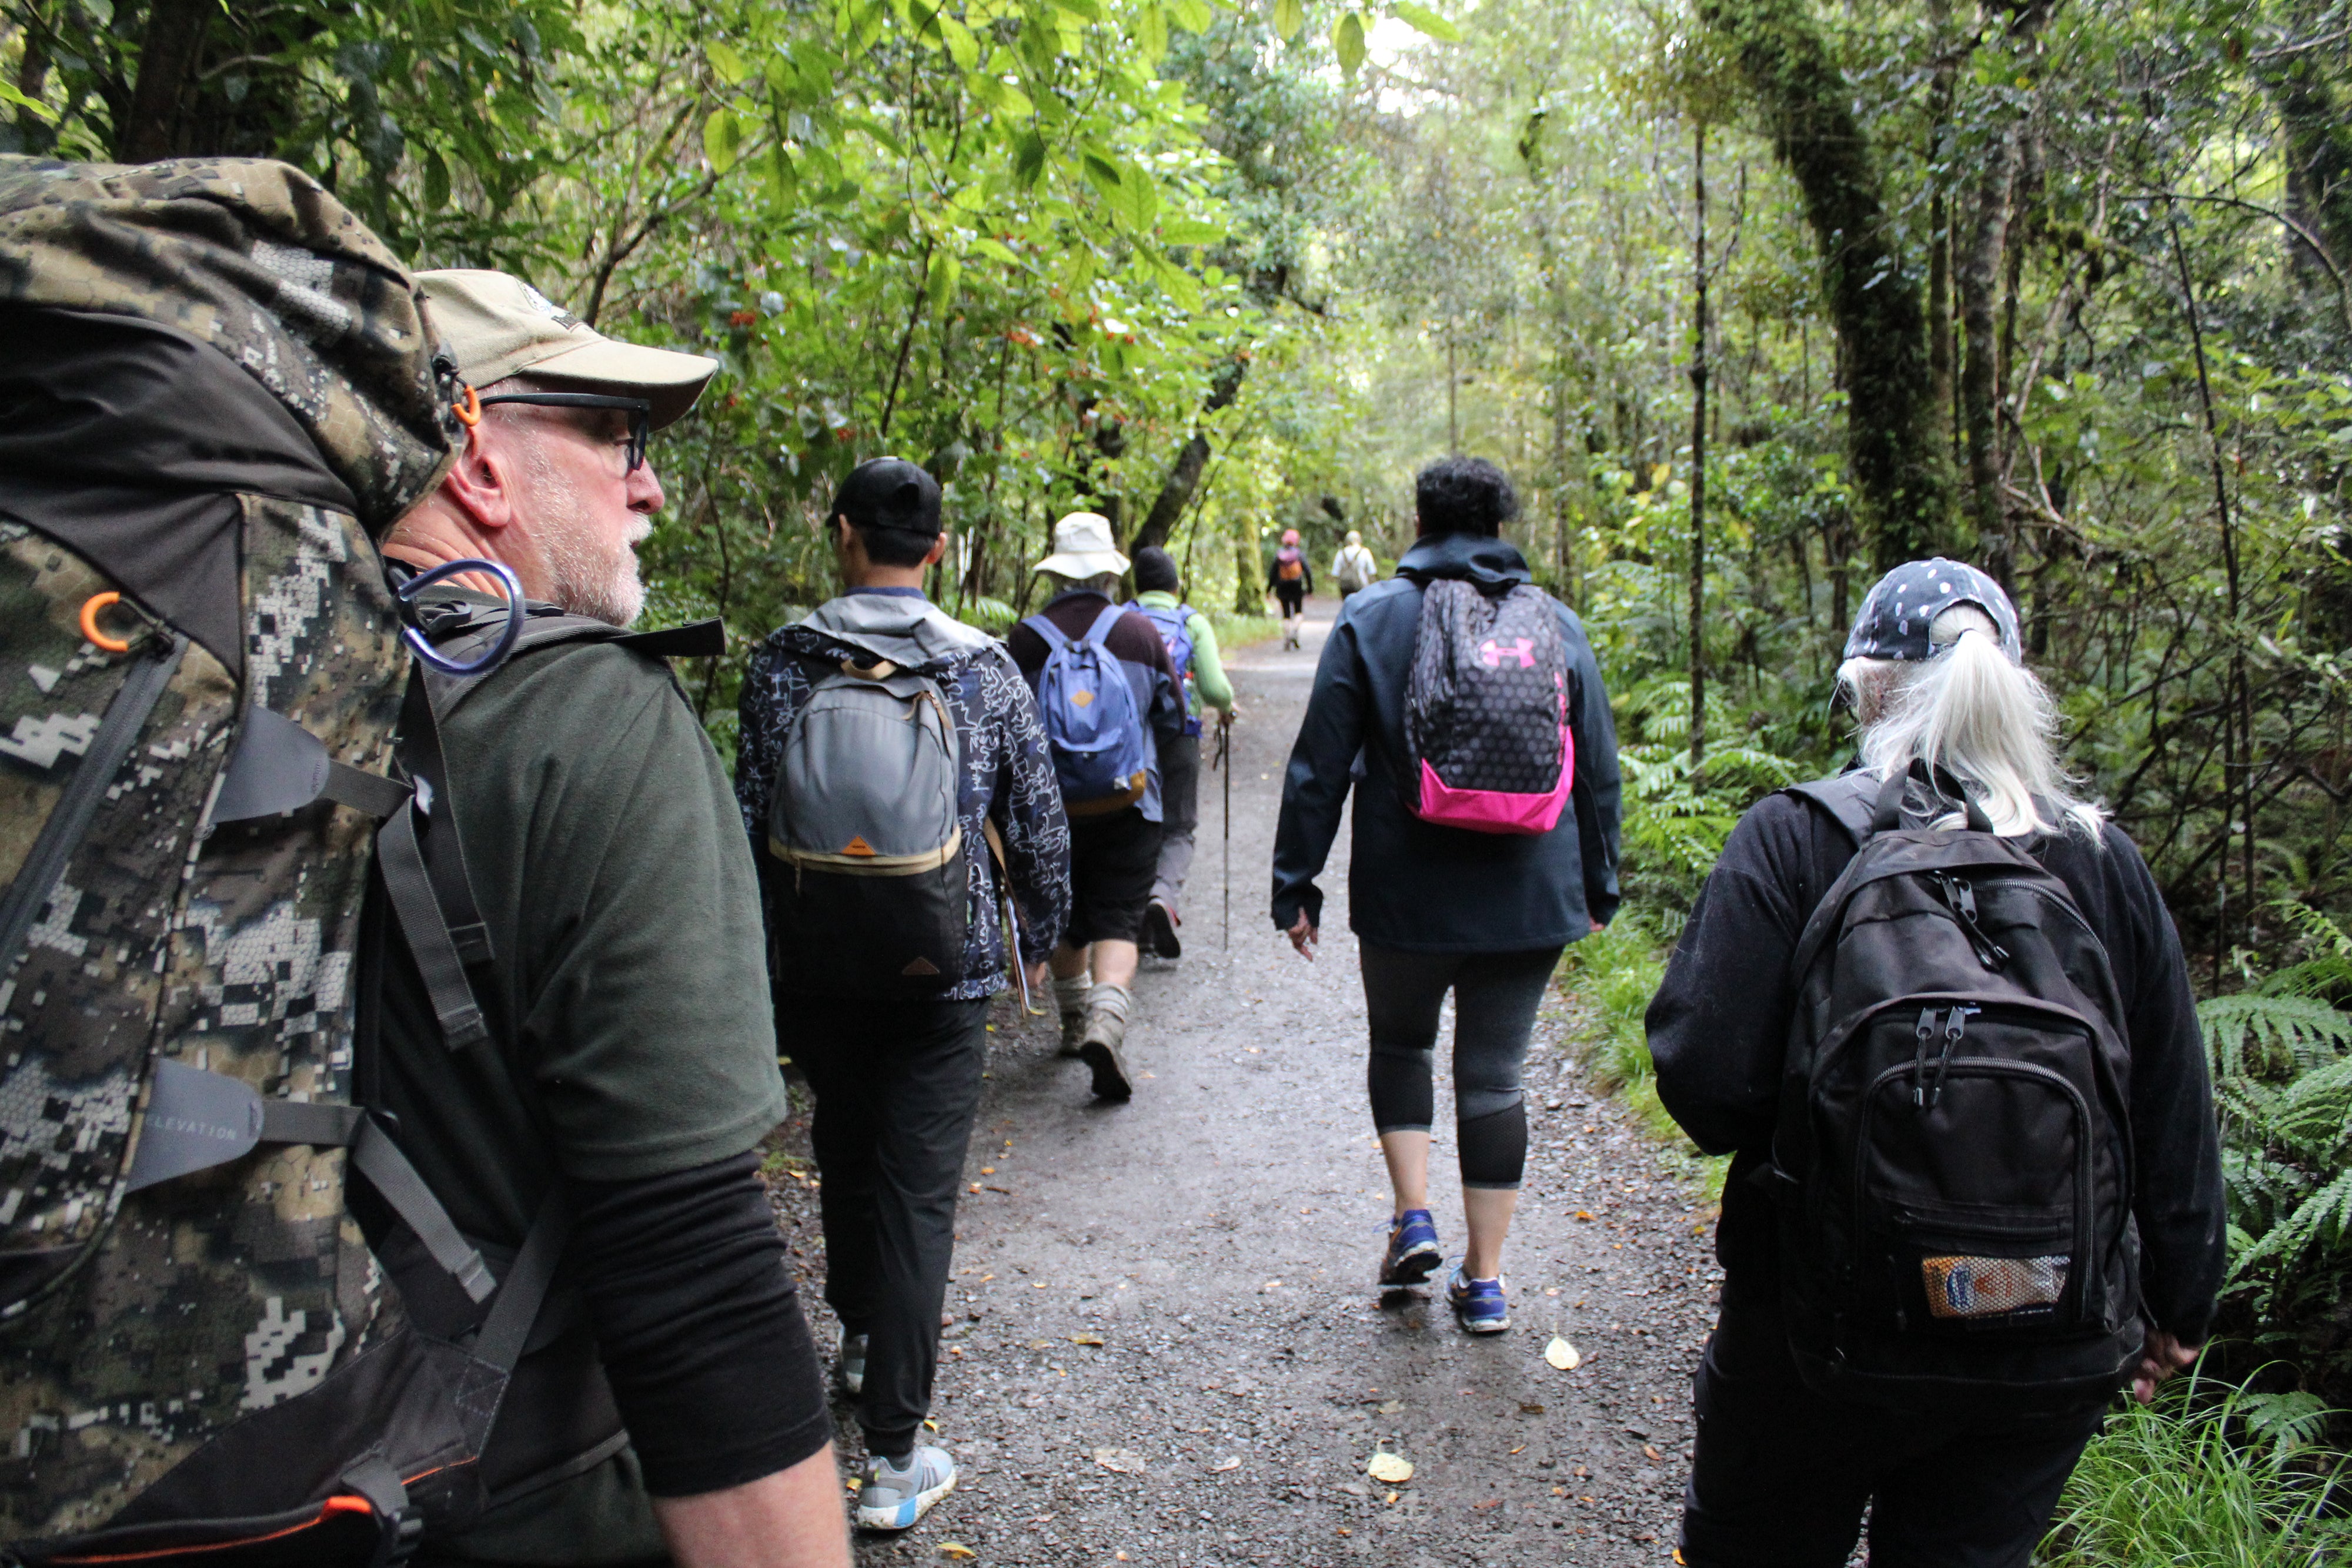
2325, 1214
2285, 1423
2267, 1035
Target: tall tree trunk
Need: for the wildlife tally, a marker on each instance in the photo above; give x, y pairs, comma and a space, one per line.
167, 63
1939, 224
1249, 570
1698, 456
2316, 126
1452, 416
1979, 273
1192, 459
1895, 459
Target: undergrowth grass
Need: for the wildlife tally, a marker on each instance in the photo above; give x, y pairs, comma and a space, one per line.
2208, 1476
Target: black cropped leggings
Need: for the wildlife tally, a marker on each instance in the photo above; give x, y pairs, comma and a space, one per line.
1494, 999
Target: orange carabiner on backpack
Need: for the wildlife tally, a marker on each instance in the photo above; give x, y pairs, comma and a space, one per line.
90, 608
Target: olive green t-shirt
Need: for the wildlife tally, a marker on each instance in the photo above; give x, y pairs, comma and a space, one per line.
630, 990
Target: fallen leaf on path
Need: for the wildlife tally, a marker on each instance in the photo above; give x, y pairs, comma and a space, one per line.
1583, 1214
1528, 1407
1650, 1449
1393, 1468
1520, 1449
1391, 1406
1041, 1344
1086, 1339
1562, 1355
1491, 1503
1230, 1462
1121, 1461
957, 1550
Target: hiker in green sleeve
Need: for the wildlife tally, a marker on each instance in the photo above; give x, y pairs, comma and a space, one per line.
1192, 648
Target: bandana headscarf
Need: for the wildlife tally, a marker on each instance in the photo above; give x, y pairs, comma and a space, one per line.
1896, 615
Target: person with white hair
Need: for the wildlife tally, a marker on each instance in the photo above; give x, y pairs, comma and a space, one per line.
1353, 567
1956, 750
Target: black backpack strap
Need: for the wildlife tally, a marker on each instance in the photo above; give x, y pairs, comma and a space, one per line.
1849, 798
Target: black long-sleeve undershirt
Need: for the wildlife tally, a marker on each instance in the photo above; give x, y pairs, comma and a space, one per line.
698, 1323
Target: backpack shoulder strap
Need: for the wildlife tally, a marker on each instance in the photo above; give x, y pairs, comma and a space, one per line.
1100, 632
1849, 798
1055, 639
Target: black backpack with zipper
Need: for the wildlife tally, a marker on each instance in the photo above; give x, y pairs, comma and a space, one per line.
1953, 1158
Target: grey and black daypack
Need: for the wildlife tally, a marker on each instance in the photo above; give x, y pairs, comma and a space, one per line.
1952, 1161
1486, 711
220, 392
871, 896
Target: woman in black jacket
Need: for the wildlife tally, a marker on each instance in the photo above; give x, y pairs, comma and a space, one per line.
1438, 908
1783, 1470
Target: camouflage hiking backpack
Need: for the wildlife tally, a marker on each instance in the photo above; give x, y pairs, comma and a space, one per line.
220, 391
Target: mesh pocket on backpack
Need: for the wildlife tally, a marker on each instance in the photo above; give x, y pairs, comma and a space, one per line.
1961, 1287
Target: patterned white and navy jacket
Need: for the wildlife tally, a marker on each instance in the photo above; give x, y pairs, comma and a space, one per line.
1008, 773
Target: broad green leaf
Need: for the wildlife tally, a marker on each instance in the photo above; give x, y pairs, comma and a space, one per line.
1423, 19
1193, 15
42, 112
1290, 17
782, 178
963, 47
1190, 231
1151, 33
996, 251
1348, 41
722, 139
1140, 197
941, 283
437, 180
1173, 280
1102, 172
725, 63
1028, 157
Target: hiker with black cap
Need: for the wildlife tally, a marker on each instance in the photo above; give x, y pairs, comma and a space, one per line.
1936, 1013
1110, 701
894, 781
1192, 645
630, 1064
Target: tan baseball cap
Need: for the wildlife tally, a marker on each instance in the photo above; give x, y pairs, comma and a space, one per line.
499, 326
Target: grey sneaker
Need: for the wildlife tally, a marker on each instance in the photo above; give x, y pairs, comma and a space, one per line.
894, 1496
853, 1364
1105, 1032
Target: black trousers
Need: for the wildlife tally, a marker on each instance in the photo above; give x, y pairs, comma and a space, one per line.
896, 1086
1783, 1472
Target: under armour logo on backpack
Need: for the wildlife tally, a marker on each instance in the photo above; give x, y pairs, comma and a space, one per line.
1492, 653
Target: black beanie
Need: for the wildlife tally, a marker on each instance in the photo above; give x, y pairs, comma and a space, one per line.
890, 493
1155, 570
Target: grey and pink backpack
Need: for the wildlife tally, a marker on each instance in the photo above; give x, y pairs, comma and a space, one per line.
1486, 715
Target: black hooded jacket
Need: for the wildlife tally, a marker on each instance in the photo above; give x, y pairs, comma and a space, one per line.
1413, 884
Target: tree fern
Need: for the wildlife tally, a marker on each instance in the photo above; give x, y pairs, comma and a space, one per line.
2251, 1034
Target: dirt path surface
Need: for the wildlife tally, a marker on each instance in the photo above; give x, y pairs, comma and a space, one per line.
1166, 1347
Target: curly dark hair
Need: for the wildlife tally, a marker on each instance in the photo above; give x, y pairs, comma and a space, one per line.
1463, 495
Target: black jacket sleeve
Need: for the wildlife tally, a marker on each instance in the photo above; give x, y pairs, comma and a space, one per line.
1315, 784
2176, 1142
699, 1326
1596, 793
1718, 1026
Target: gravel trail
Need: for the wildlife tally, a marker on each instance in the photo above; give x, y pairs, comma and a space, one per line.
1166, 1348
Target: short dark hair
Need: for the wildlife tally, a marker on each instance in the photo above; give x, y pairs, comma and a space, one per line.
1155, 570
1463, 495
895, 507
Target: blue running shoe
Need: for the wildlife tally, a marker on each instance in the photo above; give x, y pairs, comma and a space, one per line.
1480, 1306
1413, 1252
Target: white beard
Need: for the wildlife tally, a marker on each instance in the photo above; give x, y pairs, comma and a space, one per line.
587, 575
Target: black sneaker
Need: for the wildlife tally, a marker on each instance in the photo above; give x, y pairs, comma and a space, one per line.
1160, 931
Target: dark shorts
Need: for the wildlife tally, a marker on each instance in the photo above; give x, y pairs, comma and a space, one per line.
1292, 596
1782, 1473
1112, 862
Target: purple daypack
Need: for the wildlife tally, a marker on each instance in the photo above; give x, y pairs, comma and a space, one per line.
1485, 714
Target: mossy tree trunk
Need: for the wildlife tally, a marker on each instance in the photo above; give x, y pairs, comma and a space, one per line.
1895, 460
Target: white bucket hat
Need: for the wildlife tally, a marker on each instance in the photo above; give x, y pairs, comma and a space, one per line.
1083, 549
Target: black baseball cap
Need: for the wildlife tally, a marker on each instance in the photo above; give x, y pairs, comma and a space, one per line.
890, 493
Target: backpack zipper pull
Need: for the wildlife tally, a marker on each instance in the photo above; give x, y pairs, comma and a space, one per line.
1962, 897
1956, 1024
1925, 1032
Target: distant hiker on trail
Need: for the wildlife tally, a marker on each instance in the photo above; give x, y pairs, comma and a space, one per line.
1192, 645
897, 785
1936, 1011
1110, 701
1353, 569
632, 1064
1486, 842
1290, 580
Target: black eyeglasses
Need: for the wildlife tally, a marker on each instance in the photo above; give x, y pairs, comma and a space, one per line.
639, 410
